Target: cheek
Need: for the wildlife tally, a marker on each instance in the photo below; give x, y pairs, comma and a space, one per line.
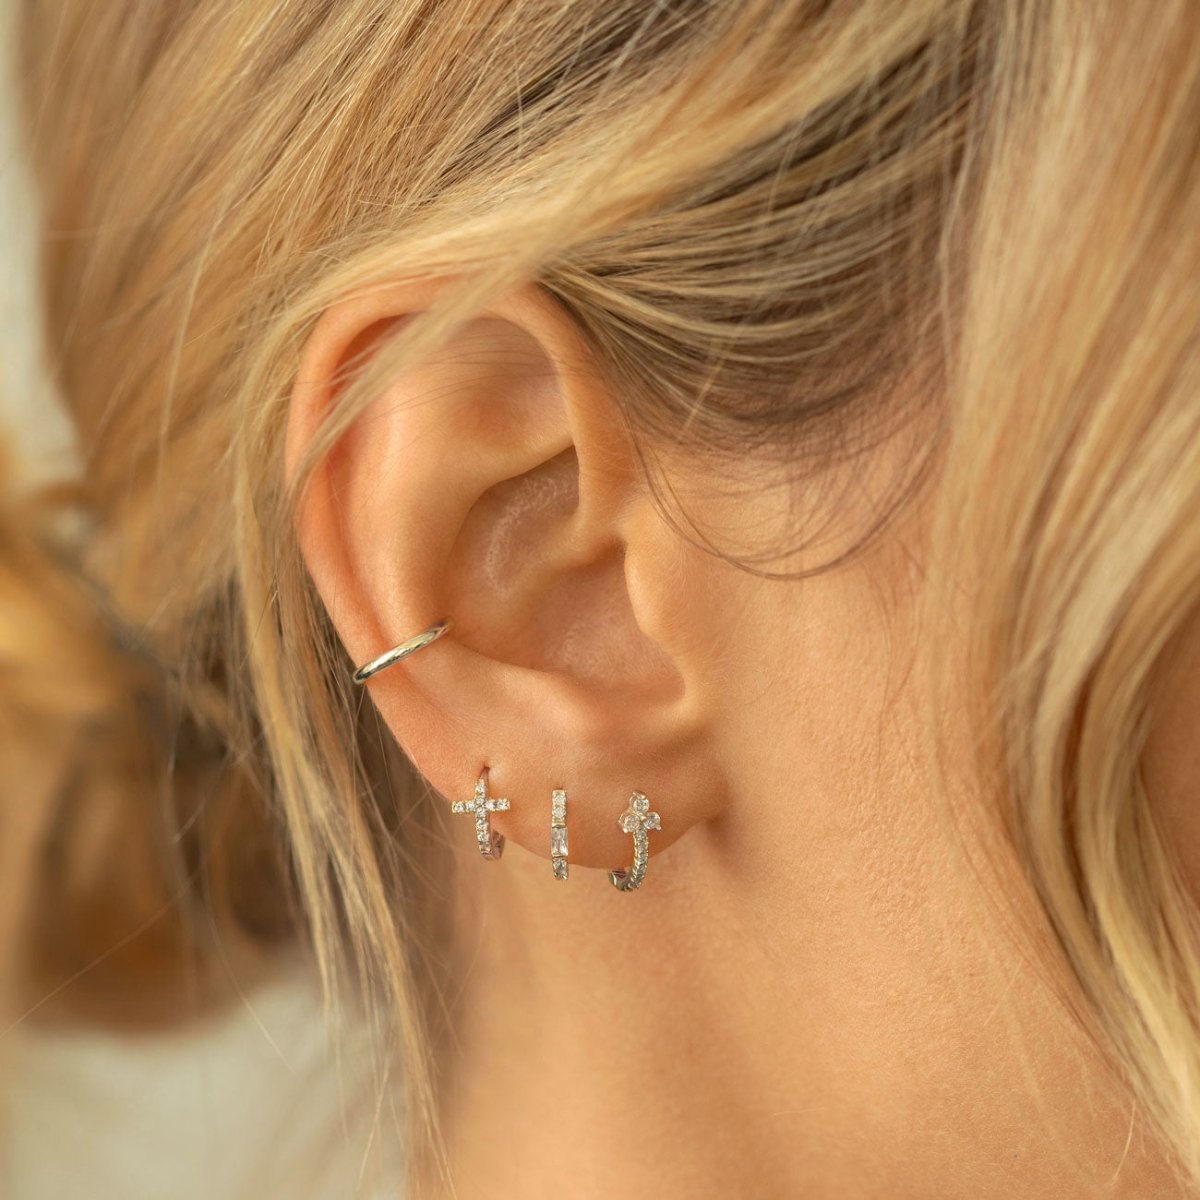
827, 697
801, 673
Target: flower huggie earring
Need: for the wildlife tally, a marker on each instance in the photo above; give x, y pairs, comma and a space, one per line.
637, 819
558, 833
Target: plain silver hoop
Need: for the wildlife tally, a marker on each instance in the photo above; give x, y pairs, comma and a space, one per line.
401, 652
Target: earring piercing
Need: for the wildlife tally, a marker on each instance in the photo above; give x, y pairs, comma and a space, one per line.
399, 653
637, 819
491, 844
558, 833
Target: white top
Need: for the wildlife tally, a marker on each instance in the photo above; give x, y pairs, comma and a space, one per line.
255, 1105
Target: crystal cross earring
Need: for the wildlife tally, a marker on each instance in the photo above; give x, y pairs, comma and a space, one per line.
491, 844
637, 819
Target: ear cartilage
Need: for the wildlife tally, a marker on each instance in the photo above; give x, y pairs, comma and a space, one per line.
401, 652
481, 806
637, 819
558, 833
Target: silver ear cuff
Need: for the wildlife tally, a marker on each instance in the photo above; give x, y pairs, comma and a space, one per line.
401, 652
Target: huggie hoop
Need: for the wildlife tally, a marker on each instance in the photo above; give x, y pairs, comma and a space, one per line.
399, 653
637, 819
481, 806
558, 833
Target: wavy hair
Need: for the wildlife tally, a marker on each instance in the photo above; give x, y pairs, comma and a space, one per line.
764, 216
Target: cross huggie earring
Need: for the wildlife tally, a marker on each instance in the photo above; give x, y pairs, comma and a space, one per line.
491, 844
637, 819
558, 833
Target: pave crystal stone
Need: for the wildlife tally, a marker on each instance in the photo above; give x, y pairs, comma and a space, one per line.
491, 845
637, 820
558, 841
560, 868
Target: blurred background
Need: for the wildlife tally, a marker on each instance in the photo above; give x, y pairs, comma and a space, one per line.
244, 1106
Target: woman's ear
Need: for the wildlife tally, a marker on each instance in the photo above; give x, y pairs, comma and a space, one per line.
495, 483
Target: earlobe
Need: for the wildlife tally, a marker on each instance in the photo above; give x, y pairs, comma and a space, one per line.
493, 483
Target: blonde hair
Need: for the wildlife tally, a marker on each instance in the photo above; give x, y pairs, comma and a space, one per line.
763, 216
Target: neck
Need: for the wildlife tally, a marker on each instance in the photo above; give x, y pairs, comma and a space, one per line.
833, 1014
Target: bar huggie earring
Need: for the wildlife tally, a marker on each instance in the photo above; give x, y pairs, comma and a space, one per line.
558, 833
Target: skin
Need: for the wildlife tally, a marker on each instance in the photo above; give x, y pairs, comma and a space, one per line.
814, 993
